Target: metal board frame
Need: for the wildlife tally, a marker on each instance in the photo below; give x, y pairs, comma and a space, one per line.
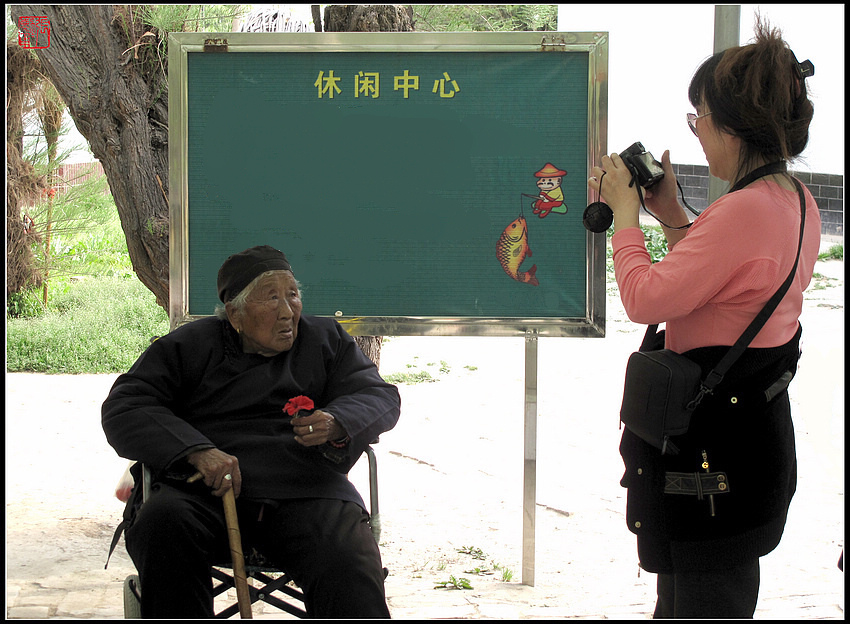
595, 45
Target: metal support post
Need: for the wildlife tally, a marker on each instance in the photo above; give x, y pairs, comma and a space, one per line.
529, 481
727, 33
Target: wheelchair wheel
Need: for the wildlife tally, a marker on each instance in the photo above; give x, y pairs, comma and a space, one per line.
132, 600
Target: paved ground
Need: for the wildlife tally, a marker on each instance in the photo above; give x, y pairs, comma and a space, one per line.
451, 480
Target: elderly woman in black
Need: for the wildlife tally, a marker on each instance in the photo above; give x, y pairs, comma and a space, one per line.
209, 398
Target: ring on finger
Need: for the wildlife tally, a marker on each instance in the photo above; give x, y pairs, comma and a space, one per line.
310, 428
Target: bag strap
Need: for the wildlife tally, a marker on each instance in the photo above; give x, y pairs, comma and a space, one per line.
716, 375
651, 330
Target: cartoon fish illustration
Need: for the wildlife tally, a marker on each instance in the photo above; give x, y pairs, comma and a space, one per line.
512, 250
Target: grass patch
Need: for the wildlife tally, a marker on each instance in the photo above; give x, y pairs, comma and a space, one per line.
821, 282
417, 374
409, 378
481, 570
98, 317
454, 583
99, 325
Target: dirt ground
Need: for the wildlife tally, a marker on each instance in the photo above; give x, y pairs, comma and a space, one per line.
450, 478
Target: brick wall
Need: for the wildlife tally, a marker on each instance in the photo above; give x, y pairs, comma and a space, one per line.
73, 174
827, 189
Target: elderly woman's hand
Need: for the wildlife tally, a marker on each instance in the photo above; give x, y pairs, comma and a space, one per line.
219, 470
317, 428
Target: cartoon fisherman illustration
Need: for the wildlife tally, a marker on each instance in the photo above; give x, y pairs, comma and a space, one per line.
551, 198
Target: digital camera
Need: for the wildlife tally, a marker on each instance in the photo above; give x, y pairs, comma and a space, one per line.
646, 170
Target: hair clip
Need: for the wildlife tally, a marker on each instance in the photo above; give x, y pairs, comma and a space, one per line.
804, 69
801, 72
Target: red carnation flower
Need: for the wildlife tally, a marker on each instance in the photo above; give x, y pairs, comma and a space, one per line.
294, 405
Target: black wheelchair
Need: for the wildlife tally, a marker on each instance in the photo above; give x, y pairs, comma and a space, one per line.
271, 585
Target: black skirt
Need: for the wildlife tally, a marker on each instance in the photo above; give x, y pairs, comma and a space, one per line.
740, 433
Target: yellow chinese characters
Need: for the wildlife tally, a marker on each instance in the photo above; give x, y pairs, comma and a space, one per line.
368, 85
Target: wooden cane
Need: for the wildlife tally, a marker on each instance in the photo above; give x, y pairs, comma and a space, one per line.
240, 580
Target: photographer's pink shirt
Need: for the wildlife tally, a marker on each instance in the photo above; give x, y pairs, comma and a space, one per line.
713, 282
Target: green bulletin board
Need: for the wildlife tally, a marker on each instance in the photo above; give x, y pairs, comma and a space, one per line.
401, 175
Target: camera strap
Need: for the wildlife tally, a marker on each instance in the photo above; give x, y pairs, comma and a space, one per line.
654, 216
760, 172
765, 170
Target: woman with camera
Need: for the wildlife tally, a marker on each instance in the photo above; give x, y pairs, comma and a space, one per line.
752, 117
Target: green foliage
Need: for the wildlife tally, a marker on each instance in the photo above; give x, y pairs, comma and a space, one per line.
67, 222
476, 553
86, 235
36, 145
26, 303
485, 17
479, 571
421, 376
454, 583
836, 252
656, 242
822, 282
101, 254
656, 245
98, 317
98, 325
168, 18
409, 378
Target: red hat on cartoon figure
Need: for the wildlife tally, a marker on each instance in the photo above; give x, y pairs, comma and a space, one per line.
550, 171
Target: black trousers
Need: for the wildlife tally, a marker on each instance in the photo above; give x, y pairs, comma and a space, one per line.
714, 594
325, 545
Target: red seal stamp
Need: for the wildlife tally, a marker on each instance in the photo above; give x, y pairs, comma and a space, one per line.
34, 31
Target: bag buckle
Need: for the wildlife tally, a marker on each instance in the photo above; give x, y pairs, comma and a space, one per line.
703, 390
706, 387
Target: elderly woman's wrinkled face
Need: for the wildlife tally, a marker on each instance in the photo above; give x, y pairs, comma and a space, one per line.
269, 321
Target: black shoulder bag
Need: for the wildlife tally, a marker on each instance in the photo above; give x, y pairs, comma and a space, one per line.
663, 388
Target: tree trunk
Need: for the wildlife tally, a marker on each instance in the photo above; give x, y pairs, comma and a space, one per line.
108, 71
22, 183
368, 18
117, 96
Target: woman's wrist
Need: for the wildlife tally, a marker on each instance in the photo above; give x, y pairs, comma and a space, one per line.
627, 216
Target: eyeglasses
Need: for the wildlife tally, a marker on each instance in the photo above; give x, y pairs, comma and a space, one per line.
692, 121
